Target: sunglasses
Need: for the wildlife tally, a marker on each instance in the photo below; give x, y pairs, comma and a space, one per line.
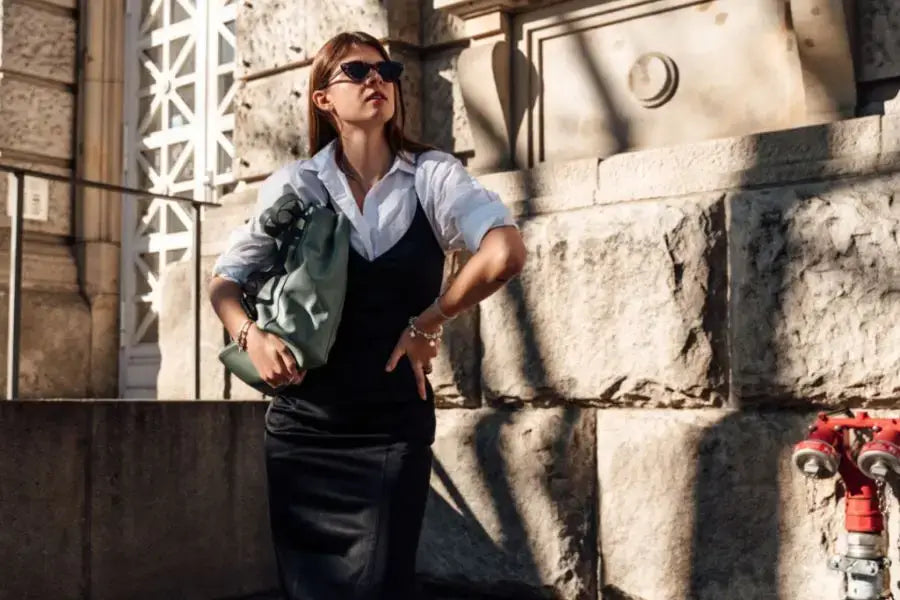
358, 70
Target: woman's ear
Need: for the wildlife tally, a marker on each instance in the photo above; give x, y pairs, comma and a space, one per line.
322, 101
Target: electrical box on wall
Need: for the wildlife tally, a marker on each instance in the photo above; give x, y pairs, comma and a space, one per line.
37, 197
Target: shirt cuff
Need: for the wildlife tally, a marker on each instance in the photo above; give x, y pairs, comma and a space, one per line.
475, 225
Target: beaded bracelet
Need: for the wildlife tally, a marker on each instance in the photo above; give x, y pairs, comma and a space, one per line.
431, 337
242, 335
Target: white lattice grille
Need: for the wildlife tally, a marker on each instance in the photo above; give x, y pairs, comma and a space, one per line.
179, 111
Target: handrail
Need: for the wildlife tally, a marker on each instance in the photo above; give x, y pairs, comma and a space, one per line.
15, 265
100, 185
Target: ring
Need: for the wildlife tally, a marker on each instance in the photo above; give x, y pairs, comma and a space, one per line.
428, 369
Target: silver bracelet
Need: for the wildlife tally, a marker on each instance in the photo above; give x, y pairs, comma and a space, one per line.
431, 337
437, 306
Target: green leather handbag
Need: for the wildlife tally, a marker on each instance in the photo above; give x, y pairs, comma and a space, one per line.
301, 298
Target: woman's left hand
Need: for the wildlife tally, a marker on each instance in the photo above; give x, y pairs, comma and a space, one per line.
419, 351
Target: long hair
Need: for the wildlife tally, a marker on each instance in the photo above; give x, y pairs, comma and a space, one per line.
322, 128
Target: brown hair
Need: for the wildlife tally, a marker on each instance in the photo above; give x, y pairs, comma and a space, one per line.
322, 128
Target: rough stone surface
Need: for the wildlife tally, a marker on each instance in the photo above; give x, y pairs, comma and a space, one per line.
51, 364
439, 26
35, 119
271, 123
270, 34
178, 501
44, 450
412, 84
879, 35
511, 504
706, 505
814, 294
104, 366
37, 42
619, 305
841, 148
176, 333
385, 19
445, 123
456, 380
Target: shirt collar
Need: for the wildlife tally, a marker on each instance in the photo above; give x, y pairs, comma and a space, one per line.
325, 165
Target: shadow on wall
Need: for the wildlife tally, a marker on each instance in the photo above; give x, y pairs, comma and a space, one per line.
508, 555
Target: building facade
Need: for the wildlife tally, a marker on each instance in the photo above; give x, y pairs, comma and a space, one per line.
707, 191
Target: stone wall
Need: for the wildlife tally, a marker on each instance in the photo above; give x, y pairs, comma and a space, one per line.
617, 422
37, 108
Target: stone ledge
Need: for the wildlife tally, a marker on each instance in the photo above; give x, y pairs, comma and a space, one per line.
839, 149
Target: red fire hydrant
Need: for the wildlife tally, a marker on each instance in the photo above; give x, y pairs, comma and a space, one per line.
829, 450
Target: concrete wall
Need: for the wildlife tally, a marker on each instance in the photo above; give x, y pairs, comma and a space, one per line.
111, 500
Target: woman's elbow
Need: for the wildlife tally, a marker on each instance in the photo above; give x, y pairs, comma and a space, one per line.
507, 256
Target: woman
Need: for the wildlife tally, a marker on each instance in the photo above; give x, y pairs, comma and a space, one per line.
348, 445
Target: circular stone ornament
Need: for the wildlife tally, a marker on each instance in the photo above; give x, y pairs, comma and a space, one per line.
653, 79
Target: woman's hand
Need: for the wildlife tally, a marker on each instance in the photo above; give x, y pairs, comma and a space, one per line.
419, 351
272, 358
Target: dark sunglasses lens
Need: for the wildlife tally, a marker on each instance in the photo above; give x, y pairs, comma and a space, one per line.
390, 70
356, 70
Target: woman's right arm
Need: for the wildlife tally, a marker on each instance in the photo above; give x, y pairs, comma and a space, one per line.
251, 250
268, 353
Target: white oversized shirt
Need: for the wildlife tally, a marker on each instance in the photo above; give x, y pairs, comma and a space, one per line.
458, 208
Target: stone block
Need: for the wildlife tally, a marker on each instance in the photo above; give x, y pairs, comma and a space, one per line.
178, 501
439, 26
271, 123
104, 371
412, 83
59, 202
396, 20
233, 211
54, 360
546, 188
842, 148
44, 449
814, 298
705, 504
618, 305
270, 34
456, 380
634, 80
879, 39
511, 508
38, 42
445, 123
36, 119
176, 333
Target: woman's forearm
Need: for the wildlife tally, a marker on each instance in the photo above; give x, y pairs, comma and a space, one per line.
225, 297
500, 258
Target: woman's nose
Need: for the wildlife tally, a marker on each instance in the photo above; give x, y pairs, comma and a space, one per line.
374, 75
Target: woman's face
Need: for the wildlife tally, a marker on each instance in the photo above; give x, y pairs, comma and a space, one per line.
367, 104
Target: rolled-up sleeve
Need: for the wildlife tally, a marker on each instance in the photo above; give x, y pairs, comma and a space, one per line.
249, 249
463, 210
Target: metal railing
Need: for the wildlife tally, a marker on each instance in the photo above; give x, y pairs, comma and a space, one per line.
15, 265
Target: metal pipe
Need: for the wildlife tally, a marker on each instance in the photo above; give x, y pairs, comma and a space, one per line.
15, 290
195, 298
99, 185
